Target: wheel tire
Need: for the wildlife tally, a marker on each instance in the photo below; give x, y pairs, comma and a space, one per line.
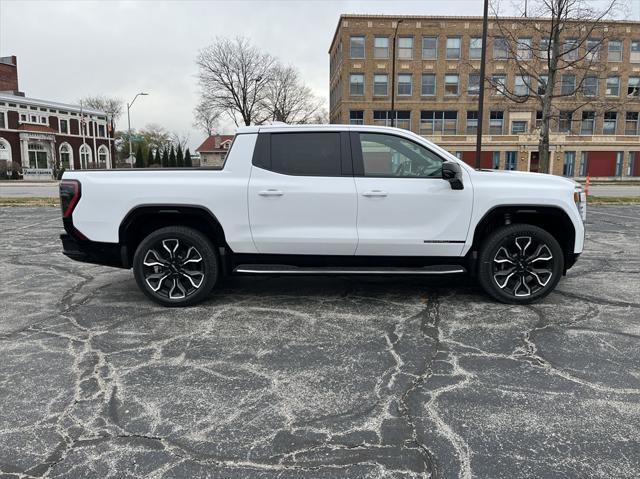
176, 266
519, 264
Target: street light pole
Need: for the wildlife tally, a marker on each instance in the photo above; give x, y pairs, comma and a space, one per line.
129, 105
393, 75
483, 61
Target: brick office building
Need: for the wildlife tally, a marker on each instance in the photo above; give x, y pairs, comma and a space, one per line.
437, 60
36, 135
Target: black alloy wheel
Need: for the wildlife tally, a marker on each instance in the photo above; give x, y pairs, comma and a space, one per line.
176, 266
520, 263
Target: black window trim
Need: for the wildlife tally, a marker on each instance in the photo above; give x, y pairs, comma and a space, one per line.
358, 163
262, 153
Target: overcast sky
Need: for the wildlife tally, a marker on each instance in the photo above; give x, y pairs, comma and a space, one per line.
70, 49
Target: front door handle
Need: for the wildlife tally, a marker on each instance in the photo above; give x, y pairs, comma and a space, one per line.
271, 192
374, 194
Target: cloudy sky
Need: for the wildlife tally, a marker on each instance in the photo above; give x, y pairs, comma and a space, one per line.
70, 49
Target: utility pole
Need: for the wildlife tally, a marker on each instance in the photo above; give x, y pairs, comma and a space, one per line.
393, 75
483, 61
129, 105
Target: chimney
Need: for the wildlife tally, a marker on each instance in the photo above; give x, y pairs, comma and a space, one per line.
218, 140
9, 75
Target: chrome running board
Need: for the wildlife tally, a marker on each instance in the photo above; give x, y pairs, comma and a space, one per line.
347, 270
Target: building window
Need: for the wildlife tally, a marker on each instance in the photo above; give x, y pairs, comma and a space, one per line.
635, 51
38, 157
473, 87
609, 124
451, 85
570, 50
631, 125
5, 150
64, 127
619, 160
384, 118
453, 48
564, 121
588, 122
519, 127
583, 163
356, 46
496, 122
499, 83
569, 163
23, 118
542, 84
429, 48
405, 48
85, 156
615, 51
510, 160
590, 86
428, 84
472, 122
500, 48
404, 84
546, 46
613, 86
44, 120
495, 163
356, 117
567, 85
356, 84
475, 48
538, 119
3, 122
381, 47
101, 131
522, 85
524, 49
381, 84
593, 49
65, 156
103, 156
438, 122
633, 87
630, 164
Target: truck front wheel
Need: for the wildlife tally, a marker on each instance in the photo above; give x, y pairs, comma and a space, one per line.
176, 266
520, 263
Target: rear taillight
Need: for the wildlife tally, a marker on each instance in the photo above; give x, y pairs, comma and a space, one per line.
69, 196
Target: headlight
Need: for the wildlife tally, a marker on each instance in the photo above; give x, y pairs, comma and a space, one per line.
580, 199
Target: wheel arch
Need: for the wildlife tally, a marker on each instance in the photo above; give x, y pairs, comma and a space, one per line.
144, 219
552, 219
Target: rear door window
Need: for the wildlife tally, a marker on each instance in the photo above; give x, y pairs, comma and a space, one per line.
306, 154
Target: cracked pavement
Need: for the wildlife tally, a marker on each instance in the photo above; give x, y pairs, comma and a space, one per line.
317, 377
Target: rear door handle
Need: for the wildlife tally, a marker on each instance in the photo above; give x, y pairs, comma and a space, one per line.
374, 193
270, 192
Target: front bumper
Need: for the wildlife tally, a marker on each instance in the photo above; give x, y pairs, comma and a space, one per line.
106, 254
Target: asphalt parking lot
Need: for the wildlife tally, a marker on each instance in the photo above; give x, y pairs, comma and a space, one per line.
322, 378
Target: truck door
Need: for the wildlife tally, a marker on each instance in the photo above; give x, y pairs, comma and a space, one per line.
302, 195
405, 208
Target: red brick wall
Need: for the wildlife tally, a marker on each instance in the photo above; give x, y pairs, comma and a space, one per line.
9, 76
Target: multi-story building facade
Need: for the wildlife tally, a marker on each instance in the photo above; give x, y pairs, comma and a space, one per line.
435, 68
37, 136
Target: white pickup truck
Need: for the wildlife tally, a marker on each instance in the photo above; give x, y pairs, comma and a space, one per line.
331, 199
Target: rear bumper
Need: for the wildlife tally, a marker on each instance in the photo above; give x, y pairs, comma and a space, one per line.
106, 254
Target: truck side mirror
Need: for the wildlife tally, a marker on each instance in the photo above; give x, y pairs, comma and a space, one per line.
452, 172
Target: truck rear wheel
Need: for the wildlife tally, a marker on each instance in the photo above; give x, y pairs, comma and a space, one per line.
520, 263
176, 266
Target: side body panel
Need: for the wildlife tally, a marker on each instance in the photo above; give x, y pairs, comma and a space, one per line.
108, 196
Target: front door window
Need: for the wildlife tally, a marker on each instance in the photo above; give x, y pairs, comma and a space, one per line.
37, 155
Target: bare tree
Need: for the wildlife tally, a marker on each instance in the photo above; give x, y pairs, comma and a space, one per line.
287, 98
205, 118
179, 139
557, 54
113, 107
233, 75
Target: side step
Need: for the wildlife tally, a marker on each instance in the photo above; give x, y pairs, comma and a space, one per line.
347, 270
